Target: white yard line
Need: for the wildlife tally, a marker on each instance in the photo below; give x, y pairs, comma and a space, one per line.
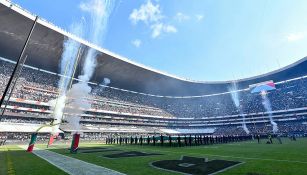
71, 165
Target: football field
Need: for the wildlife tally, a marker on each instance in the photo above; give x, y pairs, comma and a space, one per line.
246, 158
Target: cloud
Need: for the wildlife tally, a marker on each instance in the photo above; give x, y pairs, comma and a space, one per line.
136, 42
158, 28
199, 17
93, 6
151, 15
180, 17
146, 13
169, 29
295, 36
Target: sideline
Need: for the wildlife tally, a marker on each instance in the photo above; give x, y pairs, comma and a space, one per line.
71, 165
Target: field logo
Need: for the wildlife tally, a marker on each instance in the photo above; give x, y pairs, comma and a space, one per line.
194, 165
130, 154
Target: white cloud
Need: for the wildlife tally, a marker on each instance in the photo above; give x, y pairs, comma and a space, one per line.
180, 17
169, 29
147, 13
158, 28
295, 36
199, 17
93, 6
136, 42
151, 15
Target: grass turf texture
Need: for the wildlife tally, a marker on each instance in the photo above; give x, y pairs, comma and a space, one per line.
290, 158
13, 161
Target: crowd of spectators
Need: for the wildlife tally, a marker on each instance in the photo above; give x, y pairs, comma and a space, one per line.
38, 85
285, 128
22, 136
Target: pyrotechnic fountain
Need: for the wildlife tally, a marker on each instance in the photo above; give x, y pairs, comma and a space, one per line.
71, 99
236, 100
267, 105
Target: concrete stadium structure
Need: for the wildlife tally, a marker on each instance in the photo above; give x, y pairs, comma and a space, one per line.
46, 46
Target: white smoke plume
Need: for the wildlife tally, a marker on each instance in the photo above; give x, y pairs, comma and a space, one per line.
69, 55
267, 105
236, 100
57, 106
76, 103
100, 88
106, 81
99, 12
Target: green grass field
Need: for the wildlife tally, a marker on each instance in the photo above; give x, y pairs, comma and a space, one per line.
259, 159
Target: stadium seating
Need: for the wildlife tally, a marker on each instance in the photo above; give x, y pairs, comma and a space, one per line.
127, 112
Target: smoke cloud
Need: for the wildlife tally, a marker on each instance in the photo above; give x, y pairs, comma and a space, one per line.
69, 56
76, 103
236, 100
106, 81
98, 13
267, 105
57, 106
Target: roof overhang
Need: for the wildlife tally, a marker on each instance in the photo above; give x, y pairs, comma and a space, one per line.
46, 46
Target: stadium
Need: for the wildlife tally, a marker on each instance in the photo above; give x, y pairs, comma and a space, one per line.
138, 120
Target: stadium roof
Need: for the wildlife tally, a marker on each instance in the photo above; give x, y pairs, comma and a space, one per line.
46, 46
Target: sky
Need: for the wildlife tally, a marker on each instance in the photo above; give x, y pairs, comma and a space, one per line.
201, 40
